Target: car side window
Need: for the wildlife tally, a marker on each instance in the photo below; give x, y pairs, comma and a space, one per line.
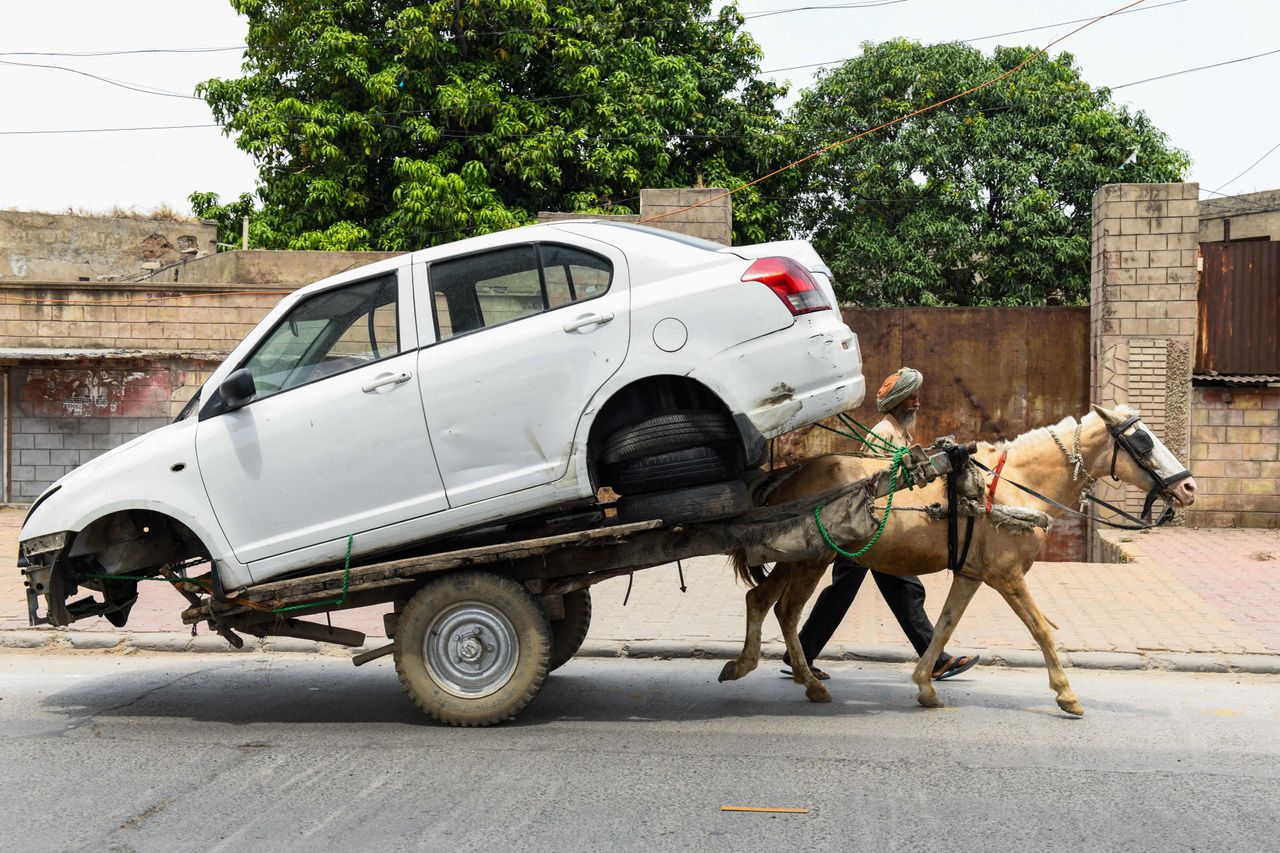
327, 334
491, 288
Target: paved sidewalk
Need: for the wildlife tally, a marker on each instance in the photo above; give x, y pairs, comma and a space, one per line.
1213, 593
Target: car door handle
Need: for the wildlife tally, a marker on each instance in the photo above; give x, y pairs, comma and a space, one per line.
588, 320
386, 379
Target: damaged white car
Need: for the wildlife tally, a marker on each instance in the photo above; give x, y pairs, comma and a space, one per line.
496, 383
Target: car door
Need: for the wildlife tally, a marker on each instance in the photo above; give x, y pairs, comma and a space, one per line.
523, 337
334, 443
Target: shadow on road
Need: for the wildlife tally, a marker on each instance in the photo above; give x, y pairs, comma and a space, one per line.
244, 692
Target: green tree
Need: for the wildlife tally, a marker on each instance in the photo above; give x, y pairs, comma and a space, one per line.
388, 124
985, 201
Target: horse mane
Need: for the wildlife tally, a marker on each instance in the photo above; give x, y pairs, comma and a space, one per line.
1065, 425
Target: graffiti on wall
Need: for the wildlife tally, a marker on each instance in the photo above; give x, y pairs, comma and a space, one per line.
91, 391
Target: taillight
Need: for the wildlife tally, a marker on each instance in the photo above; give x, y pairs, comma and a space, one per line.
791, 281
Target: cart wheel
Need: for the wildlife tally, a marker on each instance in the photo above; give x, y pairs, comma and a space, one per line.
568, 633
472, 648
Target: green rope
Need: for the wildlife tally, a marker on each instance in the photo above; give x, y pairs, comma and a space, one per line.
893, 480
342, 599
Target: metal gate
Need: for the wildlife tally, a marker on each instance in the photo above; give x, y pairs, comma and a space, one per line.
1238, 325
989, 374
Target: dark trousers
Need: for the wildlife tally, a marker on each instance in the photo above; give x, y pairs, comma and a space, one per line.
904, 595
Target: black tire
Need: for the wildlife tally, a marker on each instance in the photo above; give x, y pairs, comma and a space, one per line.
568, 633
666, 433
676, 470
472, 648
699, 503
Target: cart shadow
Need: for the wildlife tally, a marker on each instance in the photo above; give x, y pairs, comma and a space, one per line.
242, 693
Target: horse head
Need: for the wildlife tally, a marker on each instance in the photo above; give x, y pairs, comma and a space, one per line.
1140, 458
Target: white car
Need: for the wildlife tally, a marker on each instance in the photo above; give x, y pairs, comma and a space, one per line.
508, 376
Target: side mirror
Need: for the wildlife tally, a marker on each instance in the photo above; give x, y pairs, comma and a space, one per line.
238, 389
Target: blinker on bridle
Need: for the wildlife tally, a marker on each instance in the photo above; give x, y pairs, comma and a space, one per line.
1139, 446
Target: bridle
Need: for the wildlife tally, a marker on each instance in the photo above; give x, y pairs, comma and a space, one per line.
1139, 446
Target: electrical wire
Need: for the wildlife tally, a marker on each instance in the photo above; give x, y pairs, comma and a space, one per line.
1270, 151
1197, 68
984, 38
818, 153
135, 87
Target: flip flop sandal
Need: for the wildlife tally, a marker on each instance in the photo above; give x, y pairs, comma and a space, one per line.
817, 673
955, 666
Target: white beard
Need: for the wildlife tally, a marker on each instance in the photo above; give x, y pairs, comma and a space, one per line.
908, 421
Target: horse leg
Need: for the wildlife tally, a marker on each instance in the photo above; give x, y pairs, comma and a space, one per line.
1013, 586
803, 581
958, 597
759, 600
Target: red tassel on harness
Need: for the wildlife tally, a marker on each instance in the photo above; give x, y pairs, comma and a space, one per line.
995, 478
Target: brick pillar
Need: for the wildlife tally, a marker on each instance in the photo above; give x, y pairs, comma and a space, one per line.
711, 221
1143, 308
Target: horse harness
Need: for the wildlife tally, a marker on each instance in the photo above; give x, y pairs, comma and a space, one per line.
1139, 446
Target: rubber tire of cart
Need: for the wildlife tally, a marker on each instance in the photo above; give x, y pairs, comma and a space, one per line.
567, 634
493, 592
675, 470
667, 433
697, 503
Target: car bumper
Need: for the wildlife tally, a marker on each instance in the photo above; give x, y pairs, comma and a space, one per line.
825, 364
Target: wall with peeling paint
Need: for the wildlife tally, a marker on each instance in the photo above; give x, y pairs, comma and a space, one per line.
64, 247
62, 416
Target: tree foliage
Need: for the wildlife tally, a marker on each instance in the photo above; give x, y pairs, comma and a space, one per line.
986, 200
388, 124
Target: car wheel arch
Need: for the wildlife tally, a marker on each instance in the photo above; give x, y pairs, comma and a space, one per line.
117, 535
653, 395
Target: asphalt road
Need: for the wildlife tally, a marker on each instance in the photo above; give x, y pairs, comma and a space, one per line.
221, 752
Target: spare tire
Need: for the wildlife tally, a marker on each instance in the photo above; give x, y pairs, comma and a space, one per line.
675, 470
667, 433
698, 503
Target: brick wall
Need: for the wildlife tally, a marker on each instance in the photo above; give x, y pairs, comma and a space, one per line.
1235, 457
183, 318
1143, 309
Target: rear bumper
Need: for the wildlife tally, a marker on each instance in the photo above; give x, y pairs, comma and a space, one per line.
791, 378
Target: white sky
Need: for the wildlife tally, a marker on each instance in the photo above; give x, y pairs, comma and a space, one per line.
1225, 117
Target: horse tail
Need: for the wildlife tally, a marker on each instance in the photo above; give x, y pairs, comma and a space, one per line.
748, 574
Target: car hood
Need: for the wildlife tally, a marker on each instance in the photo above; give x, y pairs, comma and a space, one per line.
86, 478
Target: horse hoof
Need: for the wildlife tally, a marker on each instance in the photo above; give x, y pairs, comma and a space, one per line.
929, 700
1072, 707
817, 693
730, 671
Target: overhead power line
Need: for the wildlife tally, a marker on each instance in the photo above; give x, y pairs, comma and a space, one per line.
123, 84
1197, 68
986, 37
1270, 151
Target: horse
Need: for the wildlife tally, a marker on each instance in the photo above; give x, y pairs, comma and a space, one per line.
916, 543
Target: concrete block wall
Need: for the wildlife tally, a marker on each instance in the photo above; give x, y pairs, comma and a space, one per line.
673, 210
208, 320
1235, 456
69, 247
63, 415
1143, 309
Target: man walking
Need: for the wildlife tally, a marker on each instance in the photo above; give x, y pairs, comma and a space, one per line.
899, 400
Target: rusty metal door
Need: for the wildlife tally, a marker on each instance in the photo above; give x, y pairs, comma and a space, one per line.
989, 374
1238, 325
